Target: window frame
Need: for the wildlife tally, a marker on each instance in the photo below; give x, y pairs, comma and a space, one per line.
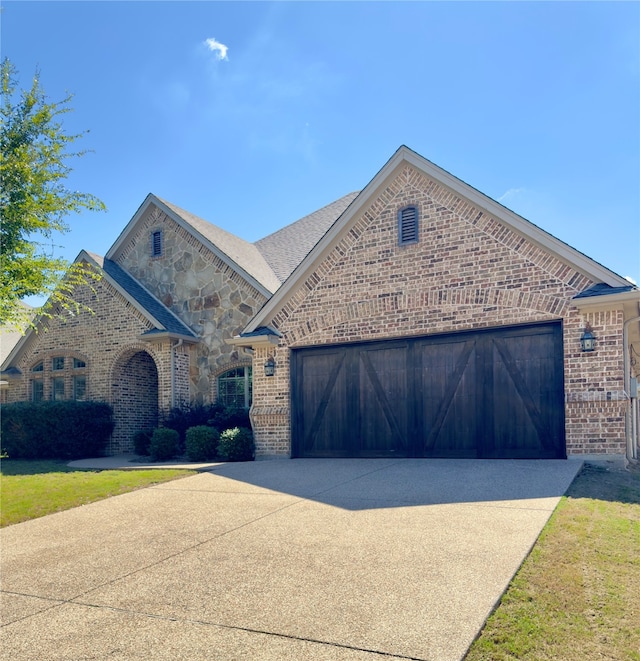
247, 386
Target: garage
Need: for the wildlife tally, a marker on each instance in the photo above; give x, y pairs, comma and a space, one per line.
494, 393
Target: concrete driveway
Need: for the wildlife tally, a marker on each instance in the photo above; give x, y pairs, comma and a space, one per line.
358, 560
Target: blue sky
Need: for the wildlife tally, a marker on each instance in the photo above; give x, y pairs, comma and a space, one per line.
252, 115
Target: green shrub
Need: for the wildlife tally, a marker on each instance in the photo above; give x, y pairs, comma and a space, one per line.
216, 415
164, 444
142, 441
227, 417
202, 443
55, 430
236, 445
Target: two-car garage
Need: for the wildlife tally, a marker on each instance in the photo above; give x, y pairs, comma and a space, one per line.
494, 393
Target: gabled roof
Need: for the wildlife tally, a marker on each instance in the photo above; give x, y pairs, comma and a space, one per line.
242, 256
286, 248
405, 156
153, 309
164, 321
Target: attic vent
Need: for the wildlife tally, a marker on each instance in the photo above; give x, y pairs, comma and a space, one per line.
408, 225
156, 244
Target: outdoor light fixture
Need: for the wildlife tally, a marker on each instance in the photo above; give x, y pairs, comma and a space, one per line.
270, 366
588, 340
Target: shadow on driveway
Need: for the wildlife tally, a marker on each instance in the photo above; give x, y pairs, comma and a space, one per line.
358, 484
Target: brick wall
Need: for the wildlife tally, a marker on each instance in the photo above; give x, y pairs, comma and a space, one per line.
467, 271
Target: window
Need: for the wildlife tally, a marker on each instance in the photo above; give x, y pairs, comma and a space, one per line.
58, 378
235, 388
408, 225
37, 390
57, 388
156, 243
79, 388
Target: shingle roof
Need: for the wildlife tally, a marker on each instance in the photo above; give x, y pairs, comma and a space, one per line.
603, 289
285, 249
246, 255
147, 301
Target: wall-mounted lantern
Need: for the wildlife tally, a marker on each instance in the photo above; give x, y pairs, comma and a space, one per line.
588, 339
270, 366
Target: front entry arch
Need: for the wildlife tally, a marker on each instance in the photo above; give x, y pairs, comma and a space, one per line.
134, 397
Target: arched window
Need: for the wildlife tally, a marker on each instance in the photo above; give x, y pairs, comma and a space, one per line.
235, 388
59, 377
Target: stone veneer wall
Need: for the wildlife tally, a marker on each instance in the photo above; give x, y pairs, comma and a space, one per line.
209, 296
467, 271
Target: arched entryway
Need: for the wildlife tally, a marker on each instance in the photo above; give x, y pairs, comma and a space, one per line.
134, 397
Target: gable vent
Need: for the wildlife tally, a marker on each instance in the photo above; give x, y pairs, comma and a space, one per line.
156, 244
408, 225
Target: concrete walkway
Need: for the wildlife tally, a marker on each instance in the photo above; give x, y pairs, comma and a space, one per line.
359, 560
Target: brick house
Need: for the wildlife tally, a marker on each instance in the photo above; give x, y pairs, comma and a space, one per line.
415, 318
431, 321
174, 289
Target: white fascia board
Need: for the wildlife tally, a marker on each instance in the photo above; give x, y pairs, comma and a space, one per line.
254, 341
563, 251
167, 335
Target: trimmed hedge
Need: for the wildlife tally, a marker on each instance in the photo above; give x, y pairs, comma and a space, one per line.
56, 430
236, 445
202, 443
142, 441
164, 444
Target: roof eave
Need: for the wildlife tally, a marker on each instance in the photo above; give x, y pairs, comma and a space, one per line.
607, 301
160, 336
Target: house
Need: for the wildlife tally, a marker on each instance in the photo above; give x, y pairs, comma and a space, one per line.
417, 318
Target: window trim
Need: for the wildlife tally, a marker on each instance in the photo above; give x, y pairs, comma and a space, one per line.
248, 384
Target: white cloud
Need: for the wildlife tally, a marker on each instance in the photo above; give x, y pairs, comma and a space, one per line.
510, 194
630, 279
216, 47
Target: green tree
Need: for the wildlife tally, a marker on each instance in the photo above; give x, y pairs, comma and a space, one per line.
34, 202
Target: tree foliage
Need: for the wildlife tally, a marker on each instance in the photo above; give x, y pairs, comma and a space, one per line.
34, 201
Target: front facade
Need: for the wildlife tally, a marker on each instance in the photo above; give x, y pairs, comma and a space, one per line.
432, 322
417, 318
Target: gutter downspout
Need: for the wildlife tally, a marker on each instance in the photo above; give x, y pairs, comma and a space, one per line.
178, 344
629, 434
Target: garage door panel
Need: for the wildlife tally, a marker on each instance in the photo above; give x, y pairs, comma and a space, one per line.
527, 395
324, 405
448, 399
383, 393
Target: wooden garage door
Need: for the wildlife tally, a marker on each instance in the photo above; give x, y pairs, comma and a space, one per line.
494, 393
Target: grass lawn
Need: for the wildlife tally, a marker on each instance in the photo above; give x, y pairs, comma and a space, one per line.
30, 489
577, 596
